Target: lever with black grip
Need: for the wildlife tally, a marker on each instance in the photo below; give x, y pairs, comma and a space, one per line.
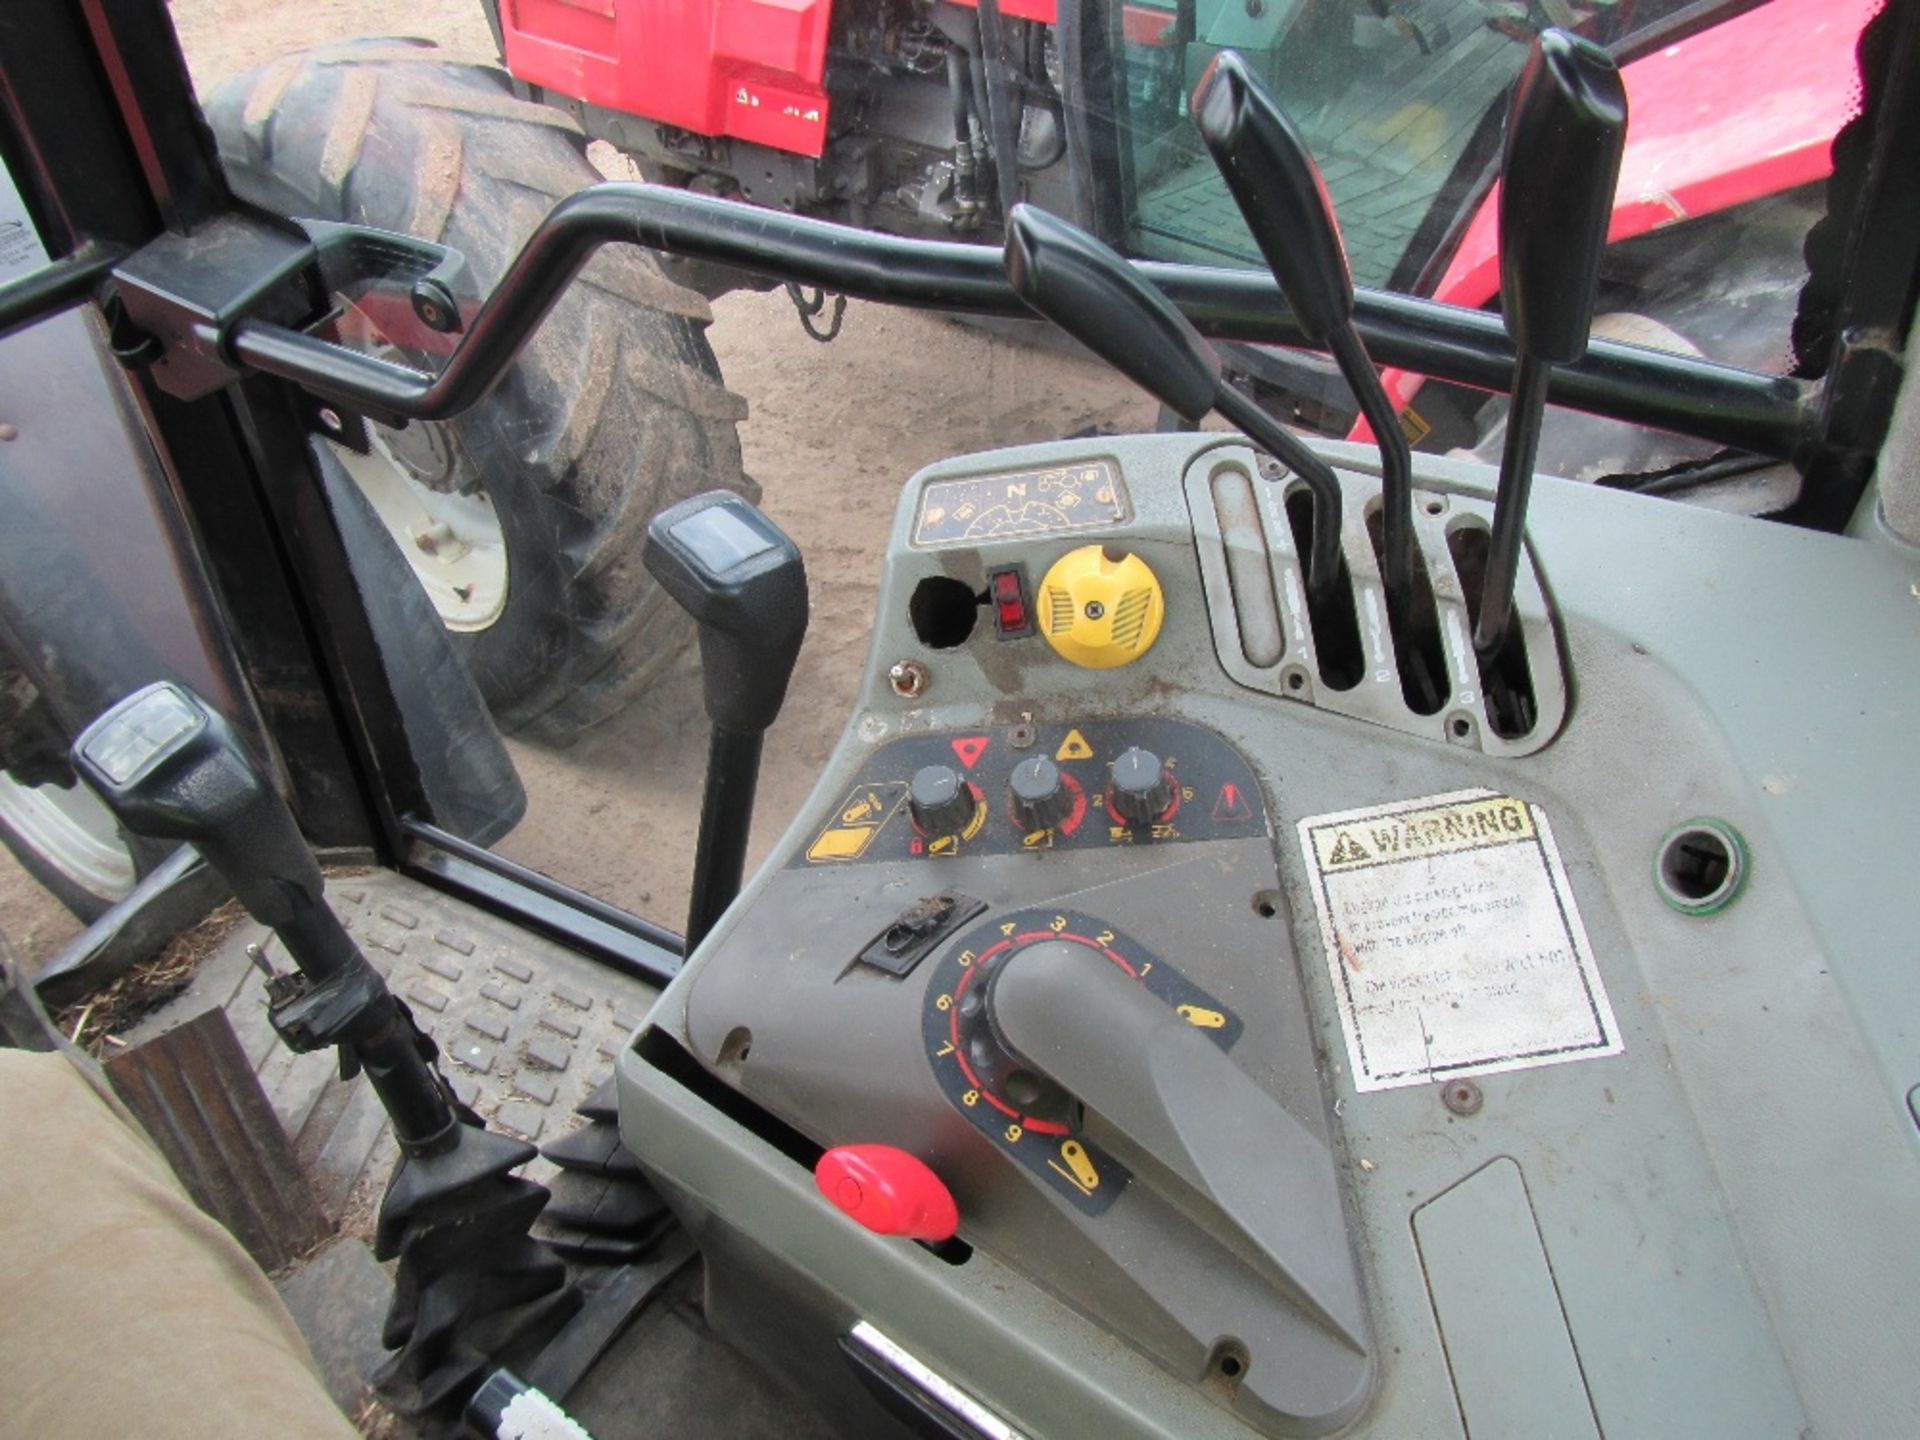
1566, 130
742, 580
1092, 293
470, 1280
1281, 196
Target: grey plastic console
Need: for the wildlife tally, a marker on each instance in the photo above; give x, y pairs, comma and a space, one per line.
1702, 1226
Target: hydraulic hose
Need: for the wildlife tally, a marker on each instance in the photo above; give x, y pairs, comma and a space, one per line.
1003, 124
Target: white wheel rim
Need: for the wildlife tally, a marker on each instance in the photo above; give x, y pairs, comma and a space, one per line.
452, 542
73, 832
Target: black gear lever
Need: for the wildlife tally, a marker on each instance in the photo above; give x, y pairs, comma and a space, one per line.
470, 1280
1566, 128
170, 767
1093, 294
742, 581
1281, 196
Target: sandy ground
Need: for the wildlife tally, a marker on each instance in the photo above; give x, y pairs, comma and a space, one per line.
833, 433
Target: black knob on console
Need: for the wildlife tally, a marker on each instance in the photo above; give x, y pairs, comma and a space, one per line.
1142, 789
1040, 800
940, 802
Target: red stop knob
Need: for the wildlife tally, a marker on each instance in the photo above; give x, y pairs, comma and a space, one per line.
888, 1191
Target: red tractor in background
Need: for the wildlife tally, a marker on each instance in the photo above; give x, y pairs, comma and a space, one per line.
929, 119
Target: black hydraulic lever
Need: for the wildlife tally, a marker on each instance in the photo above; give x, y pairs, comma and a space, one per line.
1089, 291
471, 1280
1281, 196
1559, 167
170, 767
742, 581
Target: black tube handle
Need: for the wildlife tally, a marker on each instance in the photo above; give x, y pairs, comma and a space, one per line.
1566, 129
1769, 414
1086, 288
1280, 192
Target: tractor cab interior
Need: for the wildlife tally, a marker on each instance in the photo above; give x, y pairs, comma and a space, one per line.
1295, 936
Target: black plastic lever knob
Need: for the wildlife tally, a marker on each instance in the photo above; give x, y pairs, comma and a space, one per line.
169, 766
1278, 188
1566, 129
741, 579
1039, 797
941, 802
1089, 291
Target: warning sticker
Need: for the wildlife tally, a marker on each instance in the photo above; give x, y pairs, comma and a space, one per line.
1074, 747
20, 247
1453, 942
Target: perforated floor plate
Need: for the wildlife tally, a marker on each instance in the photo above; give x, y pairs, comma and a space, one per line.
528, 1029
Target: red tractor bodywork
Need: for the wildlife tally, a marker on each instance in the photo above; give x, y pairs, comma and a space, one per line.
749, 69
1743, 110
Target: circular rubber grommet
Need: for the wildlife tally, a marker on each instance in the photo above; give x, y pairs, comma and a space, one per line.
1701, 866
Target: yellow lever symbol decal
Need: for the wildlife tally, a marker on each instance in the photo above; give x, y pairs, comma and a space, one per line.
1079, 1169
1201, 1016
865, 808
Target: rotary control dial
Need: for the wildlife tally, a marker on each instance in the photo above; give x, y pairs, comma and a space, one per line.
943, 805
1038, 795
1021, 1109
1142, 791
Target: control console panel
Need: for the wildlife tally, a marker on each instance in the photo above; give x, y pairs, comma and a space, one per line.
1301, 1047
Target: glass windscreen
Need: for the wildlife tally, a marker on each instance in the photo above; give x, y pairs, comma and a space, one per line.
1399, 103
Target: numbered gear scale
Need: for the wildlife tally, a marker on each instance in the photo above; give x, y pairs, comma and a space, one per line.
1015, 1106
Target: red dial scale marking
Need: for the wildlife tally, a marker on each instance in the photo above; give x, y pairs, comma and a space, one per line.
1074, 816
1165, 817
1040, 1127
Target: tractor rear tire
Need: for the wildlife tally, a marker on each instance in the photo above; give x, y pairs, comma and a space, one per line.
614, 410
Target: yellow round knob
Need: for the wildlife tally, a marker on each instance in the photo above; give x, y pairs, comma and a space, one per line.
1098, 609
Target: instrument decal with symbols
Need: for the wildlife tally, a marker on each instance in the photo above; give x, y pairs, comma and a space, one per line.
1024, 1112
1035, 788
1081, 496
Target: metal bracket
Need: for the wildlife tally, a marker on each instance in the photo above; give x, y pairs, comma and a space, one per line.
183, 295
311, 1017
912, 935
186, 292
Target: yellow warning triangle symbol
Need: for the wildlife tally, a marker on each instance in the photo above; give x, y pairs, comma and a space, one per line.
1074, 747
1348, 851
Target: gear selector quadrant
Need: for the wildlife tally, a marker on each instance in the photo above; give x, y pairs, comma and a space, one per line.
1006, 1094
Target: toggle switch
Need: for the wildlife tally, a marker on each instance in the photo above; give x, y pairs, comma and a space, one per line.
1007, 589
888, 1190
